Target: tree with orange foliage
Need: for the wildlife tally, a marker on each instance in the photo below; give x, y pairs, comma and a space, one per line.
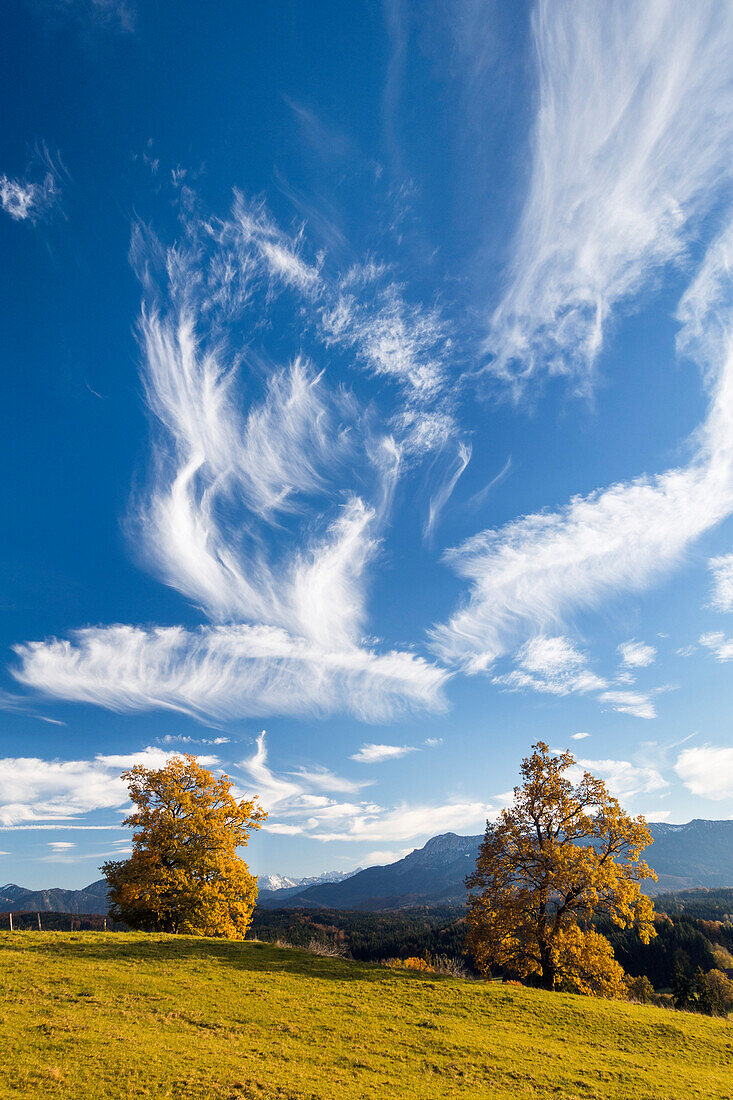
184, 874
563, 853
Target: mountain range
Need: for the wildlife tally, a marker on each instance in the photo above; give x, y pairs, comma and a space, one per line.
284, 886
92, 899
697, 854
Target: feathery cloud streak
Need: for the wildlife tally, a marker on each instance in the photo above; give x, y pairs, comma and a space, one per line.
226, 672
722, 570
531, 574
31, 200
632, 140
322, 818
267, 498
370, 753
637, 654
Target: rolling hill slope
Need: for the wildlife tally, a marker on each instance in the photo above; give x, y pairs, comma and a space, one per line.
120, 1016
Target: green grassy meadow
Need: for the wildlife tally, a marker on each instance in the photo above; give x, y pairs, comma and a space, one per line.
98, 1015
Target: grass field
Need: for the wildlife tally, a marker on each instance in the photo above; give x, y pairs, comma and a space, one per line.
98, 1015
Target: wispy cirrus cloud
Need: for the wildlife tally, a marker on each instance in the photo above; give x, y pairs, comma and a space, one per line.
536, 571
301, 807
226, 672
370, 753
268, 493
552, 665
722, 570
402, 342
555, 666
639, 704
631, 144
31, 198
718, 643
637, 654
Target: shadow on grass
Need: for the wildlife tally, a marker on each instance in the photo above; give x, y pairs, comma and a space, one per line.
247, 956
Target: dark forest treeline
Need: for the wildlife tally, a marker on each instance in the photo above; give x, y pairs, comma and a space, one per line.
682, 942
701, 903
368, 936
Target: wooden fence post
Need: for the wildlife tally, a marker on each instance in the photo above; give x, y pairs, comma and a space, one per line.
10, 916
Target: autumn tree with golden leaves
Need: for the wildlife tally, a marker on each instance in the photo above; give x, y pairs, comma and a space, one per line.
184, 874
563, 853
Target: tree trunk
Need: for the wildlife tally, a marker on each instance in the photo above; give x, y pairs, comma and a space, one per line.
549, 972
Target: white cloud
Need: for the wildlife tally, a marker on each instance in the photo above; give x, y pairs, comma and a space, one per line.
31, 200
17, 199
580, 736
226, 671
624, 779
381, 857
535, 572
36, 828
637, 654
270, 789
34, 790
375, 754
279, 252
406, 822
631, 144
180, 739
61, 845
323, 779
210, 457
442, 495
722, 570
707, 771
296, 811
265, 506
552, 665
718, 644
404, 343
637, 703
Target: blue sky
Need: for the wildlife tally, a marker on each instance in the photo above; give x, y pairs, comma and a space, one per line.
367, 381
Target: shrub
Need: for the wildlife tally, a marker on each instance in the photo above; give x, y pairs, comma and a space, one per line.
641, 990
716, 993
410, 964
328, 949
451, 966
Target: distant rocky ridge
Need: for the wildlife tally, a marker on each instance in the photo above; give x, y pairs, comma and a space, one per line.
92, 899
697, 854
283, 886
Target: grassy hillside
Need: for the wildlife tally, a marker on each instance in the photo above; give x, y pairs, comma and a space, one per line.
117, 1016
